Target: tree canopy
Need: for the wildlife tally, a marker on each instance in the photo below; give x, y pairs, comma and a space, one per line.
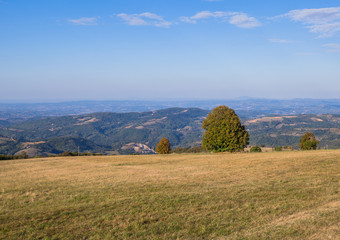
255, 149
163, 147
308, 142
224, 131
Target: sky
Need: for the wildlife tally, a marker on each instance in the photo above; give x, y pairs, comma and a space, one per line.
62, 50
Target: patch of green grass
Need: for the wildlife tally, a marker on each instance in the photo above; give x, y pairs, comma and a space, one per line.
287, 195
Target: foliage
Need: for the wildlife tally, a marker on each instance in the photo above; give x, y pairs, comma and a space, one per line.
68, 154
10, 157
224, 131
183, 128
106, 131
291, 148
278, 148
308, 142
163, 147
5, 157
287, 130
255, 149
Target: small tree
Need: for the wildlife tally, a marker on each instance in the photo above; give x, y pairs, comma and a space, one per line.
278, 149
163, 147
308, 142
224, 131
255, 149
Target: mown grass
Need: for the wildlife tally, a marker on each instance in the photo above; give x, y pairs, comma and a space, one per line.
279, 195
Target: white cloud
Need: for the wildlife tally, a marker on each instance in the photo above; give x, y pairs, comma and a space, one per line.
204, 15
242, 20
187, 20
144, 19
323, 21
276, 40
84, 21
332, 47
319, 15
326, 30
238, 19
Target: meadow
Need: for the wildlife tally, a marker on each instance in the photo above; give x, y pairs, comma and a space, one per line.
273, 195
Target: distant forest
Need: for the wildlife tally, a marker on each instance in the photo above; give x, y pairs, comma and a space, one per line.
139, 132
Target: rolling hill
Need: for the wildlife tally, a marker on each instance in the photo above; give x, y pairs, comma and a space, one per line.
287, 130
126, 133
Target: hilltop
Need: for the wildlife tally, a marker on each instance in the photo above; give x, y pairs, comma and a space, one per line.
287, 195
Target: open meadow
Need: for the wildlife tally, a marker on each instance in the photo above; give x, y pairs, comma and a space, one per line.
276, 195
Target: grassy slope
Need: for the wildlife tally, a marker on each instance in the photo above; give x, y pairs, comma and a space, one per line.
291, 195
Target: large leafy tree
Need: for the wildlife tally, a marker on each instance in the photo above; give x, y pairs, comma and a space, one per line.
224, 131
308, 142
163, 147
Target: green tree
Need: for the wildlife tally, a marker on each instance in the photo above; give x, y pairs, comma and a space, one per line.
224, 131
308, 142
163, 147
278, 148
255, 149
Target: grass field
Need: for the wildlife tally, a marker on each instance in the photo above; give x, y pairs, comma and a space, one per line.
278, 195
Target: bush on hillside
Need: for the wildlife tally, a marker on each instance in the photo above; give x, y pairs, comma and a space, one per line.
278, 149
308, 142
255, 149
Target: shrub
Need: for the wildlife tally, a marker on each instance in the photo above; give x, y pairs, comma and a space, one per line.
255, 149
291, 148
67, 154
6, 157
308, 142
277, 149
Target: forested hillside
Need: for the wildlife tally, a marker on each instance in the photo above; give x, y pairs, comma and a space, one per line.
124, 133
287, 130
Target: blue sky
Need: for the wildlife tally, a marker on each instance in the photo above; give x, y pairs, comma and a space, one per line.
169, 49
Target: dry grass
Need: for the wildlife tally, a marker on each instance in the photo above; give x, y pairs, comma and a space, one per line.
278, 195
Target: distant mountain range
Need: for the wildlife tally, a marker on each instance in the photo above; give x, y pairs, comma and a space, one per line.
245, 107
123, 133
100, 132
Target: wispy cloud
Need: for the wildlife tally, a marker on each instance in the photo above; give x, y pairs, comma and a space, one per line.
84, 21
277, 40
144, 19
204, 15
242, 20
332, 47
323, 21
238, 19
3, 2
